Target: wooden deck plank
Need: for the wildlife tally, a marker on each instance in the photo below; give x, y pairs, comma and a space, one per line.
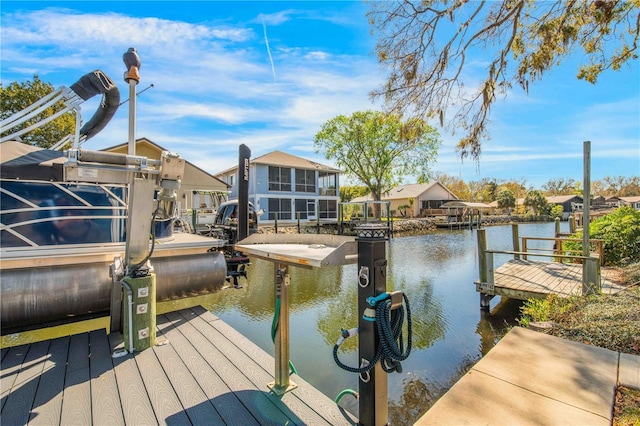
521, 275
76, 399
105, 398
193, 399
10, 367
313, 407
309, 395
47, 406
525, 279
220, 395
24, 388
164, 400
255, 399
136, 406
207, 373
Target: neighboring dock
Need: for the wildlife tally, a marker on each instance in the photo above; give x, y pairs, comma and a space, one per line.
204, 373
537, 379
526, 279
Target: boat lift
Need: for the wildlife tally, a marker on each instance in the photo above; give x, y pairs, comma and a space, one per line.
151, 201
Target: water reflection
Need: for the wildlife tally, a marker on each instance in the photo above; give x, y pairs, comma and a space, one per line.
436, 272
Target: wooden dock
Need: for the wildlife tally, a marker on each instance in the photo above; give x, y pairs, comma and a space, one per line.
204, 373
526, 279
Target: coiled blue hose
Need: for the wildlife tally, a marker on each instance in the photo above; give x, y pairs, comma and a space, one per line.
391, 349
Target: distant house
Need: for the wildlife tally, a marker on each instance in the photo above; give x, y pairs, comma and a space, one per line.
425, 196
633, 202
287, 186
195, 179
569, 203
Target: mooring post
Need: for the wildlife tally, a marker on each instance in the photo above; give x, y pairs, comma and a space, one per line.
372, 272
485, 266
515, 237
591, 283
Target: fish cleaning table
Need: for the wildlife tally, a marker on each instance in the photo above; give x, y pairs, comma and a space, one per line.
303, 250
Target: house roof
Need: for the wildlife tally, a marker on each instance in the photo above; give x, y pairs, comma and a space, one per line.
279, 158
158, 147
552, 199
635, 199
457, 204
413, 190
559, 199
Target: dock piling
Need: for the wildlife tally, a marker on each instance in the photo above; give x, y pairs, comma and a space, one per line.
485, 263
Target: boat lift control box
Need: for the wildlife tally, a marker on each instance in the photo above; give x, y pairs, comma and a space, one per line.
139, 312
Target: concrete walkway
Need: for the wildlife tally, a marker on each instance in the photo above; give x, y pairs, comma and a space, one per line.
531, 378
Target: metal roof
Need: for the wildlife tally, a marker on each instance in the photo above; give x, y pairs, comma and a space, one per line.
461, 204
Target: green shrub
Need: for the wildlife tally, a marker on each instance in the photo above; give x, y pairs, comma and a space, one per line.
556, 212
542, 309
620, 231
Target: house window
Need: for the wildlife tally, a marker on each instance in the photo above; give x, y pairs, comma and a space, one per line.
281, 206
232, 180
305, 180
306, 208
279, 178
328, 209
327, 183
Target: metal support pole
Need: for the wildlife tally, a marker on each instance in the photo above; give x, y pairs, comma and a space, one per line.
587, 287
282, 280
132, 117
132, 77
372, 267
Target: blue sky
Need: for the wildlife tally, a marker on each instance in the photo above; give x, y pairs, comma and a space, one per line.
217, 85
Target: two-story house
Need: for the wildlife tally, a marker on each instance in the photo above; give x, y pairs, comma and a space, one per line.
285, 185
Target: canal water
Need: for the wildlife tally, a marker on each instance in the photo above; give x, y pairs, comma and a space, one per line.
435, 271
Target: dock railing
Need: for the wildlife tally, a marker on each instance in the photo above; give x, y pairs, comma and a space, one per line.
591, 265
558, 252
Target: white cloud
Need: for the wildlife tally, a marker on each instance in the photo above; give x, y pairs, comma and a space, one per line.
214, 90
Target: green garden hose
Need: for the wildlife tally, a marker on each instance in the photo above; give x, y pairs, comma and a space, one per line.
274, 327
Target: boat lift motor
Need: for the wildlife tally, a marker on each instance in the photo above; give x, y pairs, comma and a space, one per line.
134, 273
